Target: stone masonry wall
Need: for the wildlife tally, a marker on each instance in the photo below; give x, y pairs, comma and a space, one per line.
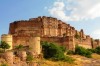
49, 29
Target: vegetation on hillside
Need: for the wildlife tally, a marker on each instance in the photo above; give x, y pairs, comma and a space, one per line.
29, 58
19, 47
55, 52
96, 50
82, 51
79, 50
4, 64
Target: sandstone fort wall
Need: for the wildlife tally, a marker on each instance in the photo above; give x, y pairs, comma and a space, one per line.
49, 29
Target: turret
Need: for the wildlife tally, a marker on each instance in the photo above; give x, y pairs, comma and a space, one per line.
8, 39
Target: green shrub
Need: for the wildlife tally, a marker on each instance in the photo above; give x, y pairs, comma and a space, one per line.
70, 52
63, 48
97, 50
19, 47
4, 64
82, 51
51, 50
29, 58
54, 51
92, 50
68, 59
1, 50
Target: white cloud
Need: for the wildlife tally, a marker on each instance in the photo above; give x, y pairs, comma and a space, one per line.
95, 11
58, 10
75, 10
96, 34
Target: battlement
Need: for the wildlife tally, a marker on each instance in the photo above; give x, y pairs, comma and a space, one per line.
6, 35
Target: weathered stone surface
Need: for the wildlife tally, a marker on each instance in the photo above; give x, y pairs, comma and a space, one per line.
22, 55
49, 29
9, 57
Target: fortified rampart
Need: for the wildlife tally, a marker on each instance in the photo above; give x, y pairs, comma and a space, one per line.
51, 30
45, 26
67, 41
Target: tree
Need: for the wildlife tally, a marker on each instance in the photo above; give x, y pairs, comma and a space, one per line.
4, 45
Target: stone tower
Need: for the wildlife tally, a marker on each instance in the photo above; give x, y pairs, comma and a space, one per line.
35, 45
8, 39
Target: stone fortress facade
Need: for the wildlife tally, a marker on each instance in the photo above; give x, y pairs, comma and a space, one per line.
49, 29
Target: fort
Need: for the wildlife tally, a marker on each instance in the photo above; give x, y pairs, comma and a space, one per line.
30, 33
49, 29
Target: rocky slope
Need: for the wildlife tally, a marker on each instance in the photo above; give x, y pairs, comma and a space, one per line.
79, 61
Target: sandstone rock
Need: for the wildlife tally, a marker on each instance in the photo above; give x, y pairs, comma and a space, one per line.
9, 57
22, 55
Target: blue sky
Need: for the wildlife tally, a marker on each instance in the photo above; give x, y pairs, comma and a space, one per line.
82, 14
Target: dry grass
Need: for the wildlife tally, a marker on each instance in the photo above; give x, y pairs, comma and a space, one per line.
78, 62
95, 56
56, 63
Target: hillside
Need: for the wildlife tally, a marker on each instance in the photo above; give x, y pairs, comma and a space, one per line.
79, 61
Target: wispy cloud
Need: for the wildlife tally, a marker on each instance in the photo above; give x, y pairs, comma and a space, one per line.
96, 33
75, 10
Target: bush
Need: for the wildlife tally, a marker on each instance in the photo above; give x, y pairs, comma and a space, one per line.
63, 48
68, 59
82, 51
92, 50
53, 51
70, 52
29, 58
19, 47
1, 50
4, 64
97, 50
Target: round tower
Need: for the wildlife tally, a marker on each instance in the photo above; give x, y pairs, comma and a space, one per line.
8, 39
35, 45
